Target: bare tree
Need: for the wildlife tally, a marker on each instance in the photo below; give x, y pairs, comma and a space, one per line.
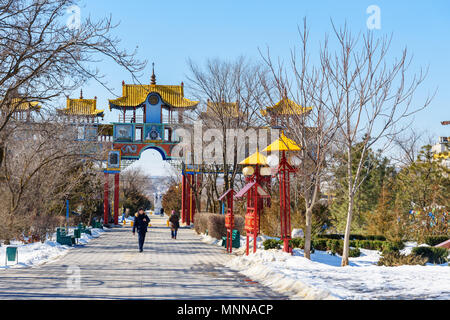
227, 91
369, 94
408, 146
306, 119
42, 58
43, 166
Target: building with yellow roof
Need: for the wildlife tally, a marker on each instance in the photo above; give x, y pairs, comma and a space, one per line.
134, 96
441, 151
22, 110
223, 109
159, 103
81, 110
283, 110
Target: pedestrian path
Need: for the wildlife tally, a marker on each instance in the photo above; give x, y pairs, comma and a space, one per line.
111, 267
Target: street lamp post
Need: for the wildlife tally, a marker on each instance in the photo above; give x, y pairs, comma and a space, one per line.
283, 144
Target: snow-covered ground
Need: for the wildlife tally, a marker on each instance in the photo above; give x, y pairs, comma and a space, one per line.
35, 254
323, 278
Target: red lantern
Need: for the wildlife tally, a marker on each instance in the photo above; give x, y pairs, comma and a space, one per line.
251, 223
229, 221
229, 218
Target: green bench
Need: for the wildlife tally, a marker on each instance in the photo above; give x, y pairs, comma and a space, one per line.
63, 238
235, 240
97, 225
84, 229
11, 255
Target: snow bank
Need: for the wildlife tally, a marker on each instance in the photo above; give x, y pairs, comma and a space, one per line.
38, 253
210, 240
323, 278
266, 268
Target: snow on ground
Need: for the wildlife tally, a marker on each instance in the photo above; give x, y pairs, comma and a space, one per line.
35, 254
127, 219
324, 278
243, 241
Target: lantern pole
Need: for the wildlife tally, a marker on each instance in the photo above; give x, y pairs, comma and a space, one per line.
106, 200
183, 198
285, 201
116, 198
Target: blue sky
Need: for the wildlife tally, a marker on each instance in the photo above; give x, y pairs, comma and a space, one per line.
170, 32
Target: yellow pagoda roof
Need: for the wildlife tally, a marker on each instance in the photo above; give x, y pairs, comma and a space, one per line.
282, 144
442, 155
230, 109
286, 107
81, 107
25, 106
255, 159
135, 95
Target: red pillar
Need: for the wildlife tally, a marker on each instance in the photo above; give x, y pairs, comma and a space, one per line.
116, 199
183, 199
257, 215
188, 200
285, 202
193, 204
106, 200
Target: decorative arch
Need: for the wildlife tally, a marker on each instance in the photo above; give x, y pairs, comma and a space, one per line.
161, 151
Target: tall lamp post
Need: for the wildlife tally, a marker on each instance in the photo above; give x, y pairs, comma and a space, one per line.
255, 171
283, 145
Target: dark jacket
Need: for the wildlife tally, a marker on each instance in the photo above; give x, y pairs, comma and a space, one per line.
175, 221
140, 224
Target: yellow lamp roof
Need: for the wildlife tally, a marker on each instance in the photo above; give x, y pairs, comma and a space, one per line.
81, 107
285, 107
255, 159
135, 95
282, 144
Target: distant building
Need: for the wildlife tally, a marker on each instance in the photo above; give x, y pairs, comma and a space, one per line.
441, 150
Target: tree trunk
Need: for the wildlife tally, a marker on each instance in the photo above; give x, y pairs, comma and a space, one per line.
307, 250
346, 248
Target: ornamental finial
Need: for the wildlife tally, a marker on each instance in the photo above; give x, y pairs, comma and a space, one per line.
81, 93
153, 82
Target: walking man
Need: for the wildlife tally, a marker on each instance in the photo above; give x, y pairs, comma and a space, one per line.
141, 222
174, 221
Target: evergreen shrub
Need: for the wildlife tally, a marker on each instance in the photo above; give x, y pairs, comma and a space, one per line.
394, 259
435, 240
272, 244
434, 255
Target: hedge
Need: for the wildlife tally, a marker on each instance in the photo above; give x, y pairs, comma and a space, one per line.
336, 246
434, 255
215, 224
300, 243
352, 237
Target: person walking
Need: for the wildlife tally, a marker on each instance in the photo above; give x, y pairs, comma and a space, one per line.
141, 222
174, 222
123, 215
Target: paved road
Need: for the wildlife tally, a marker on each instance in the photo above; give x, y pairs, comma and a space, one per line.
112, 268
